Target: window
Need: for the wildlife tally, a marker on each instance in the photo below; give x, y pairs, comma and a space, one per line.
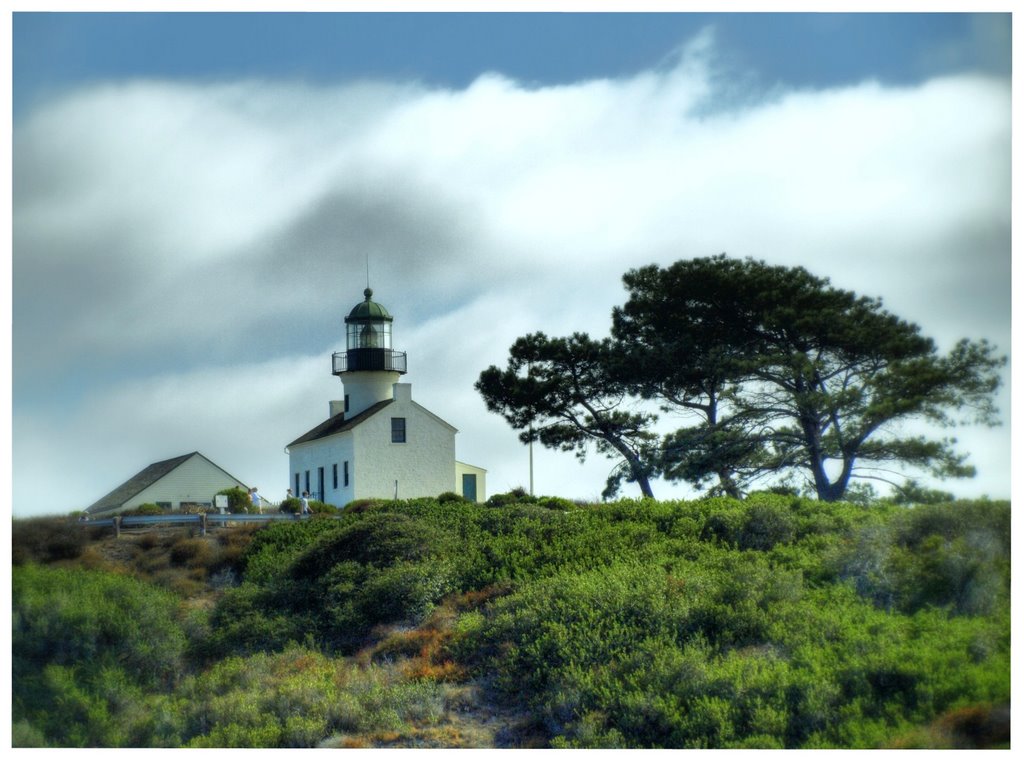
346, 403
346, 473
334, 475
320, 483
397, 430
307, 481
297, 490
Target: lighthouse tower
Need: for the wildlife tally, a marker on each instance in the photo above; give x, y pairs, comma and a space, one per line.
377, 442
368, 368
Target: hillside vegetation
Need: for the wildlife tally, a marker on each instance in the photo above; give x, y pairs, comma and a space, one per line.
719, 623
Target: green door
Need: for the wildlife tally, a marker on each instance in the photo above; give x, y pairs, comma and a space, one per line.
469, 486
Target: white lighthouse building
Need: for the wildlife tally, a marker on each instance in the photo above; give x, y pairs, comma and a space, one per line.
377, 442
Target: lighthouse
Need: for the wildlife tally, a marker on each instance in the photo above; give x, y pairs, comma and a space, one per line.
369, 367
377, 442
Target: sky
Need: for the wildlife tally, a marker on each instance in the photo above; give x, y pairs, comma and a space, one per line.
199, 198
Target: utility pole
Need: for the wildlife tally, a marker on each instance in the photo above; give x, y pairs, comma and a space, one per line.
531, 461
529, 371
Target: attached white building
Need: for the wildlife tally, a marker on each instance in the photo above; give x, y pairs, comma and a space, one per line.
378, 442
175, 484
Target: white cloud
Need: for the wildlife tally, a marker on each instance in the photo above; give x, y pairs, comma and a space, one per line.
189, 250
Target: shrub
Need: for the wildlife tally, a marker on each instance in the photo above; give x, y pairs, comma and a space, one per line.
25, 735
146, 509
380, 539
326, 509
765, 527
90, 644
516, 496
557, 503
451, 497
274, 548
362, 505
238, 499
46, 540
724, 525
248, 619
86, 618
954, 555
405, 592
300, 697
194, 552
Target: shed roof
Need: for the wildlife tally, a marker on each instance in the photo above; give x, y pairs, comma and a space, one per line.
148, 476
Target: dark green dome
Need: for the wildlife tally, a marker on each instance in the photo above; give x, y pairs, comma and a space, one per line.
368, 310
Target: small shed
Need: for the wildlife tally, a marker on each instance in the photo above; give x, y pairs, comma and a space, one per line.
181, 483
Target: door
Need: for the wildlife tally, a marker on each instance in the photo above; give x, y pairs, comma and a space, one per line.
469, 486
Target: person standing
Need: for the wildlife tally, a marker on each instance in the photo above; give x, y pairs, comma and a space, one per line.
305, 503
256, 500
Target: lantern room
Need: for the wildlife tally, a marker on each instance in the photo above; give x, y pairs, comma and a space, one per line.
368, 340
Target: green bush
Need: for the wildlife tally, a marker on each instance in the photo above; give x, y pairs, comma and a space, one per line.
250, 619
86, 619
238, 499
451, 497
955, 555
406, 592
91, 644
274, 548
516, 496
145, 509
766, 526
718, 647
319, 507
557, 503
379, 539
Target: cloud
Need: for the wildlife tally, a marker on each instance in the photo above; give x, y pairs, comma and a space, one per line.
184, 253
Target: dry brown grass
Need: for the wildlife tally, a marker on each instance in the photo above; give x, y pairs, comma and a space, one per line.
422, 650
471, 719
176, 558
48, 540
980, 726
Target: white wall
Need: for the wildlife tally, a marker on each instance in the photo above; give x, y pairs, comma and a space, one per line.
423, 465
367, 388
309, 456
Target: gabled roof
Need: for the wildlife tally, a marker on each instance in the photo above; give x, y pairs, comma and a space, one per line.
148, 476
337, 423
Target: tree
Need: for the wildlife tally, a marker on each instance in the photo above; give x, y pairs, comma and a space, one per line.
785, 371
566, 393
682, 345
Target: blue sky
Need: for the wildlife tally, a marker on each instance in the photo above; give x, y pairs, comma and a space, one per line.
53, 52
196, 196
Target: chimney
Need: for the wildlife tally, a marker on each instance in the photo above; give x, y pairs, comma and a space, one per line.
402, 392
